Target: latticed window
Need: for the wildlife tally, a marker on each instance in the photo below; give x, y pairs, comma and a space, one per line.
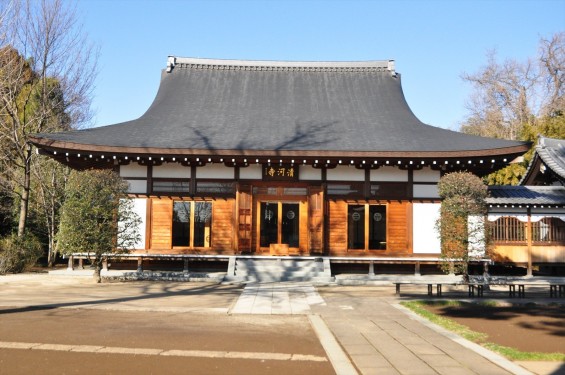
549, 229
508, 229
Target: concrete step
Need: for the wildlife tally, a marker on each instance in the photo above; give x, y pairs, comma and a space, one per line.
274, 270
281, 262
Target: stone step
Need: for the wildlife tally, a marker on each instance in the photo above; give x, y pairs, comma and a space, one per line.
281, 262
271, 279
274, 270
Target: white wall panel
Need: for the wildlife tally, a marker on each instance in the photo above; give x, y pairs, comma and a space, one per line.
424, 235
425, 191
171, 170
133, 170
215, 171
137, 186
345, 173
389, 174
253, 172
426, 175
140, 208
307, 172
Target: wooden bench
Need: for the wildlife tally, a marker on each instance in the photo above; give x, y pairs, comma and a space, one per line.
556, 290
439, 285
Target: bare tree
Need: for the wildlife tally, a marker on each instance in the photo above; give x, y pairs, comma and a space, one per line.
519, 100
509, 95
552, 63
503, 98
49, 182
46, 82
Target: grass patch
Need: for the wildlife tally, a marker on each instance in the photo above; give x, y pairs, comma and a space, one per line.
476, 337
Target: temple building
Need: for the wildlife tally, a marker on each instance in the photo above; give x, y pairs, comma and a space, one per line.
528, 221
282, 158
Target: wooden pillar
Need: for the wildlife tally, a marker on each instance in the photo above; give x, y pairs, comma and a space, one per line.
417, 269
371, 268
71, 263
185, 266
80, 263
105, 264
452, 268
139, 264
529, 237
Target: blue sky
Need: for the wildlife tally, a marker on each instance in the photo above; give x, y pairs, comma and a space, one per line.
432, 42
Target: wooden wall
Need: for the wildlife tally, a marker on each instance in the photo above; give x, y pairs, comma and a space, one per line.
337, 228
161, 223
223, 223
519, 254
397, 228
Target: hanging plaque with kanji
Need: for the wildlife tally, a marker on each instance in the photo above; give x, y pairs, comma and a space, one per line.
282, 172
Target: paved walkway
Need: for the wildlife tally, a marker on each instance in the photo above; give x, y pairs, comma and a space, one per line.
277, 298
379, 335
383, 338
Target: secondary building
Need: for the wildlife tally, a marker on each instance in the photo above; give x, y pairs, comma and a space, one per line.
528, 221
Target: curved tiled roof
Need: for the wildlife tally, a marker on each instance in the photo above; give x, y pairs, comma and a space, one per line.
282, 108
550, 152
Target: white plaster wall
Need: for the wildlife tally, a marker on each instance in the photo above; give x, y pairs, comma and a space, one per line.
140, 208
171, 170
389, 174
345, 173
137, 186
426, 175
215, 171
133, 170
307, 172
424, 235
252, 172
425, 191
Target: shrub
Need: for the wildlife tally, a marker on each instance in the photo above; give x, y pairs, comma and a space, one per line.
461, 224
18, 254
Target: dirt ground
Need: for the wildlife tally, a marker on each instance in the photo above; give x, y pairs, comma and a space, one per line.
250, 337
539, 328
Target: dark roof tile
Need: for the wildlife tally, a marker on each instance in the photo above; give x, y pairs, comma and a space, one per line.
281, 106
527, 195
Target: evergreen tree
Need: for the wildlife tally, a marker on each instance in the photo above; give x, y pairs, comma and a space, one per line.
97, 216
461, 225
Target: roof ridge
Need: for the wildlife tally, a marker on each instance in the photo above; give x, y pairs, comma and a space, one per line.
273, 65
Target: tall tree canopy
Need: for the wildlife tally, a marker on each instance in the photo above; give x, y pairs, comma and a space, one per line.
47, 68
519, 100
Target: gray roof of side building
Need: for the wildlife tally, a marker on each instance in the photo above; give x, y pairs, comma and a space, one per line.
526, 195
278, 106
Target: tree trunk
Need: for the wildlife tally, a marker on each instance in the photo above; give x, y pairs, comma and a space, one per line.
24, 204
52, 217
97, 268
